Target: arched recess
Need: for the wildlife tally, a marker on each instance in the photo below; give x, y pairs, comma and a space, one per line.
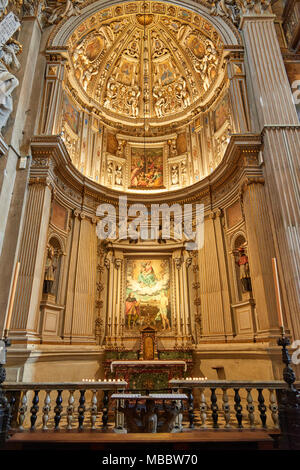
54, 265
238, 241
227, 31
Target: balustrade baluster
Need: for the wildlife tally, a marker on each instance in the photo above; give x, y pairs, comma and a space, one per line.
34, 410
11, 405
214, 408
58, 410
250, 408
226, 408
70, 409
81, 410
274, 408
22, 410
46, 410
262, 407
191, 408
105, 402
94, 409
238, 407
203, 408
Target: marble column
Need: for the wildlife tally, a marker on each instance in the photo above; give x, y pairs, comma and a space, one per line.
281, 135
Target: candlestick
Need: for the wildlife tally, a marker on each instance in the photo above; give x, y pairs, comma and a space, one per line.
11, 300
277, 292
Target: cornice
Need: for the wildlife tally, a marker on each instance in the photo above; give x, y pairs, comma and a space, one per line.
51, 159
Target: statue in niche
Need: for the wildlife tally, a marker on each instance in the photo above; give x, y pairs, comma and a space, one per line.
175, 175
119, 176
172, 148
110, 169
111, 92
160, 101
133, 100
121, 148
8, 82
49, 271
181, 92
243, 264
183, 173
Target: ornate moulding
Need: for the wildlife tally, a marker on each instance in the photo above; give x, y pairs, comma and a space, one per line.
138, 62
151, 65
51, 161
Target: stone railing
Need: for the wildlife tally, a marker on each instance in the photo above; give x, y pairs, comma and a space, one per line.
59, 406
87, 405
231, 404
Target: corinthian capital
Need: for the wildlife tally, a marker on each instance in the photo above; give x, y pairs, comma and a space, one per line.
235, 9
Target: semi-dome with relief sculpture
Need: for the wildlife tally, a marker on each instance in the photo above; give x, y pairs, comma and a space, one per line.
152, 77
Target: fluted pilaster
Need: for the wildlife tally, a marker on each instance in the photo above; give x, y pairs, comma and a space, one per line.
210, 283
261, 251
70, 295
281, 135
32, 255
85, 283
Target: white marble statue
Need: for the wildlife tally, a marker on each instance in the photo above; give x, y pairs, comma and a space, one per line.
174, 173
8, 82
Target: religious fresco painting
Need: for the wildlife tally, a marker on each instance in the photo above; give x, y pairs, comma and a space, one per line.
148, 294
146, 168
70, 114
221, 113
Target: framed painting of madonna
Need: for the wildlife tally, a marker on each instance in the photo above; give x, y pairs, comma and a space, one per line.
147, 294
